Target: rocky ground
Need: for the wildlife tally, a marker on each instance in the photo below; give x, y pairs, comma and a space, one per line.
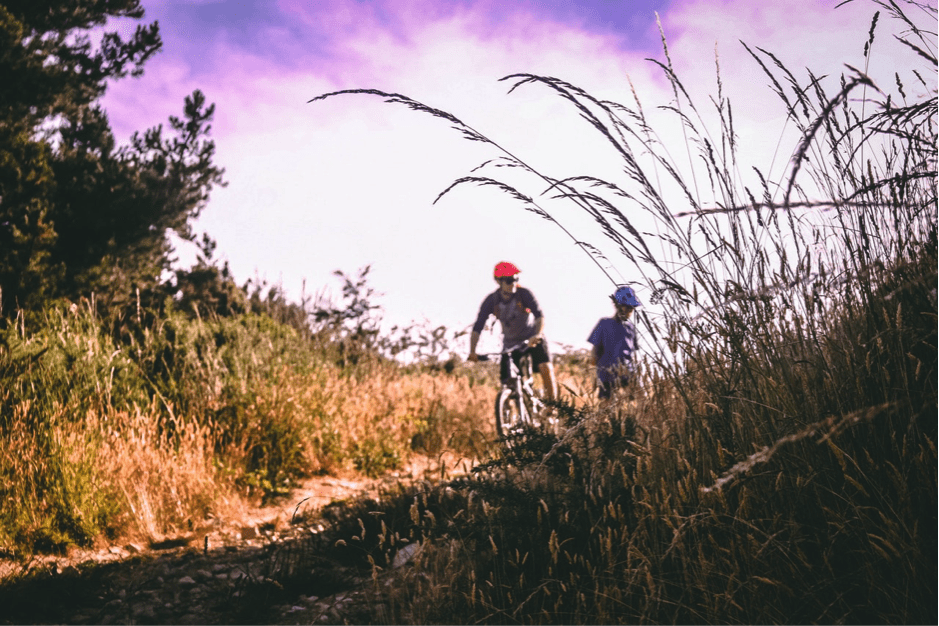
226, 572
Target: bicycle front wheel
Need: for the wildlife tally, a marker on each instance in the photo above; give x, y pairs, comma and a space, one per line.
508, 413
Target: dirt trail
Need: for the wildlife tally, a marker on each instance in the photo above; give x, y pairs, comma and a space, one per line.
214, 574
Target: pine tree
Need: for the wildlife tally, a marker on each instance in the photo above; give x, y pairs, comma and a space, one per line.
78, 214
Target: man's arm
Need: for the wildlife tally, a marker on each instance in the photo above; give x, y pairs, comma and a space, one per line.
539, 327
474, 339
485, 310
531, 303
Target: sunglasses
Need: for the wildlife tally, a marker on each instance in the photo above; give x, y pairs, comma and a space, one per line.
508, 279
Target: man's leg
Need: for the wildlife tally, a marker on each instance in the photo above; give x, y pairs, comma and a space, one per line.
504, 368
541, 357
549, 380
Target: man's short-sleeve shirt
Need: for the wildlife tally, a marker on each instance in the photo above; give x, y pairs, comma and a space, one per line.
617, 342
517, 316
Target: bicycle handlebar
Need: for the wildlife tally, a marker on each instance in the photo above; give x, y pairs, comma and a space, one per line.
488, 356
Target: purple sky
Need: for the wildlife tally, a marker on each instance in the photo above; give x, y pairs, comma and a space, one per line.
292, 32
350, 181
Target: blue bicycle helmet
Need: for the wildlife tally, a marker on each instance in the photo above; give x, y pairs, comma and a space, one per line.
626, 295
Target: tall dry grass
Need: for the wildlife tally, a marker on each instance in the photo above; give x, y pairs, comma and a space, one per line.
174, 419
779, 464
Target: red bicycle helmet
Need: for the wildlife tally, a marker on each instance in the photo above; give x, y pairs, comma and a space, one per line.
504, 269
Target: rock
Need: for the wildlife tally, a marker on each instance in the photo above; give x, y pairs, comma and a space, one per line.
405, 554
187, 581
189, 618
204, 574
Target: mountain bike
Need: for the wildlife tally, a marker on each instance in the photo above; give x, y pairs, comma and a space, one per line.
518, 404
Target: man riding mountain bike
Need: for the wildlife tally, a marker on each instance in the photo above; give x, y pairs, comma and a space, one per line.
522, 323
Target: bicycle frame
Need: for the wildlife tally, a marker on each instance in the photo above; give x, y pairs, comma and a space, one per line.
517, 404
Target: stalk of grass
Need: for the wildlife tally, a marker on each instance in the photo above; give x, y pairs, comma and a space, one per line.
780, 466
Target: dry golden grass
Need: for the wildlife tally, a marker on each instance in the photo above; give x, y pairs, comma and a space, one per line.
431, 411
144, 474
166, 485
780, 466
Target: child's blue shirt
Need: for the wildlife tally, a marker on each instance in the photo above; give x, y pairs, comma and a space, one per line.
617, 342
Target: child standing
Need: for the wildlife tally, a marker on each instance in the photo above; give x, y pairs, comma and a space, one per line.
614, 343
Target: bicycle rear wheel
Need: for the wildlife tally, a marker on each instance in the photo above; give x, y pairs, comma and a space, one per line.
508, 413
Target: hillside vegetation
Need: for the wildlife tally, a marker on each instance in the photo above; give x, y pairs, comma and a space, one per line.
779, 463
171, 416
137, 397
776, 464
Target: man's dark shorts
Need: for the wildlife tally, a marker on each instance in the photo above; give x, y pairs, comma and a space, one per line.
539, 354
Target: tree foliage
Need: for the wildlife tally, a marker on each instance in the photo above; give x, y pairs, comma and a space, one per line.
77, 213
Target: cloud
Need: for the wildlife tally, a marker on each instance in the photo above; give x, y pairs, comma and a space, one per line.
350, 181
366, 173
